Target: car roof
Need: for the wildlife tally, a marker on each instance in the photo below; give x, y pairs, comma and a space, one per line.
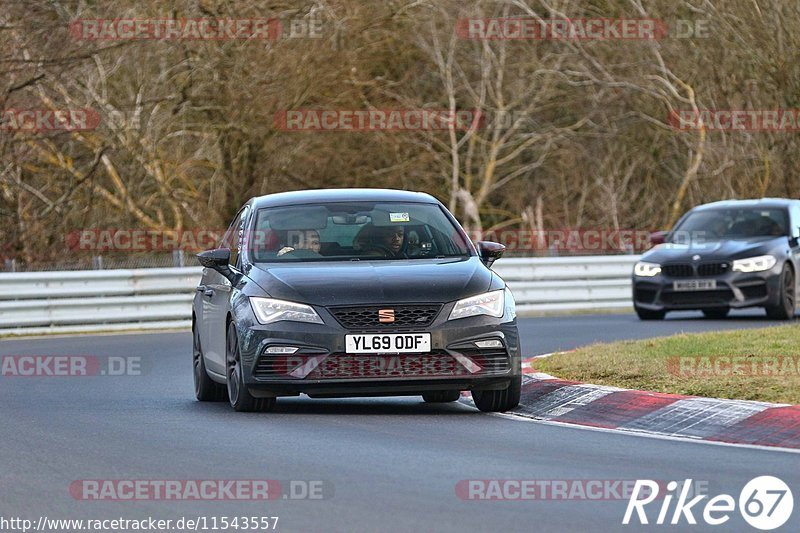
341, 195
754, 203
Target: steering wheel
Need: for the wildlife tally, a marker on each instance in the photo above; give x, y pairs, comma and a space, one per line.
383, 250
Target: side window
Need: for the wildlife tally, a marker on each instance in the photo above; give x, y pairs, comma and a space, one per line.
233, 237
794, 220
225, 241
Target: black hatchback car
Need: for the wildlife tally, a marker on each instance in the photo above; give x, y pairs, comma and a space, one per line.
353, 292
721, 256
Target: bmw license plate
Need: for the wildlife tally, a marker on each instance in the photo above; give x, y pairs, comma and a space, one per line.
388, 343
695, 285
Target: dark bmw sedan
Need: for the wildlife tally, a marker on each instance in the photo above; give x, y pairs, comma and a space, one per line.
353, 292
721, 256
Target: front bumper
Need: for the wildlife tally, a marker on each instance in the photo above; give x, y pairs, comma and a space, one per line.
321, 367
734, 290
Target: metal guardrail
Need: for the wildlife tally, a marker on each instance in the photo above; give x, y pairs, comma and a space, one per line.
569, 283
160, 298
97, 300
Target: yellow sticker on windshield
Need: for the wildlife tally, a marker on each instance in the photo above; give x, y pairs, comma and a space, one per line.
398, 217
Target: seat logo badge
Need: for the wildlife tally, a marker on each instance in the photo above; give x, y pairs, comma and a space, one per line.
696, 257
385, 316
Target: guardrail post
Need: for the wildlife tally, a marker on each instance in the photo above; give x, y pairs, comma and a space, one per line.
97, 262
178, 258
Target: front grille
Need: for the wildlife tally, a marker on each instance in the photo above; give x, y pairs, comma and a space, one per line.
678, 270
687, 270
712, 269
697, 297
405, 316
436, 363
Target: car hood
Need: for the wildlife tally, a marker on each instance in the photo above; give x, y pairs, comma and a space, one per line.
729, 249
369, 282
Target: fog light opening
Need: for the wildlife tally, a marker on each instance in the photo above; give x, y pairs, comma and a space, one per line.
281, 350
492, 343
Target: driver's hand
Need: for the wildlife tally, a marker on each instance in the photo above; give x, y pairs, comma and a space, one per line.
285, 250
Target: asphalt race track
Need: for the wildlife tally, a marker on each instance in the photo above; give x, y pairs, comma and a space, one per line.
388, 464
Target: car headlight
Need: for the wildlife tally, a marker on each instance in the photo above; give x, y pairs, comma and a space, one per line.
268, 310
754, 264
489, 303
647, 270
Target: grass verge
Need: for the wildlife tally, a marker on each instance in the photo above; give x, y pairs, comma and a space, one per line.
753, 364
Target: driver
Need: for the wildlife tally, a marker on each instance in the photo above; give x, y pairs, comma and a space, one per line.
718, 227
302, 240
377, 239
392, 238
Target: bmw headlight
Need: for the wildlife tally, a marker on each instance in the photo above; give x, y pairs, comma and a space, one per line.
268, 310
647, 270
754, 264
489, 303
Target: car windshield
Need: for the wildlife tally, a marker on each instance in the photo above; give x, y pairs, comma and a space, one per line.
719, 224
355, 231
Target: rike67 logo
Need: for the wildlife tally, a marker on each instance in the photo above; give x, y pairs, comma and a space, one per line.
765, 503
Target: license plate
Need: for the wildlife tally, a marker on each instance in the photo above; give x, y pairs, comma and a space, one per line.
695, 285
388, 343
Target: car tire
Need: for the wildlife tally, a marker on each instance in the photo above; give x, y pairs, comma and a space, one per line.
441, 396
240, 398
493, 401
649, 314
786, 308
205, 389
717, 312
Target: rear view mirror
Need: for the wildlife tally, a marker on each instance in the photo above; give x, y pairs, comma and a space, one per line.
490, 252
350, 220
658, 237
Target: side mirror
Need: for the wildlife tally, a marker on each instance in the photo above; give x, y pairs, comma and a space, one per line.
658, 237
490, 252
218, 260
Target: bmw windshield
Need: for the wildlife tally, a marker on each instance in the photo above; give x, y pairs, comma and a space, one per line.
355, 231
735, 223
